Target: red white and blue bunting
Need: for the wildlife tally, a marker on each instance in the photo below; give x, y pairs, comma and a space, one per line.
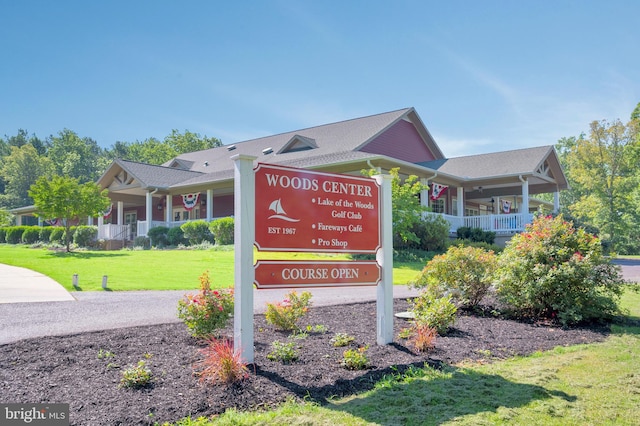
107, 212
54, 222
506, 206
437, 190
190, 200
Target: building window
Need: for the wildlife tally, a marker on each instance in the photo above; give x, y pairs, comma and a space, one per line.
437, 206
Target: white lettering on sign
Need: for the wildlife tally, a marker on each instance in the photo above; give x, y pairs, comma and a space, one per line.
295, 274
331, 187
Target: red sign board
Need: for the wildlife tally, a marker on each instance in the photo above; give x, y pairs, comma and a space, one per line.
302, 210
313, 273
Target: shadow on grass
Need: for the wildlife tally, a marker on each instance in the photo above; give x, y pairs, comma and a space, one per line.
85, 255
428, 396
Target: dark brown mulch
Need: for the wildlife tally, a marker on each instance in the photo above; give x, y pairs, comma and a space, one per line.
68, 370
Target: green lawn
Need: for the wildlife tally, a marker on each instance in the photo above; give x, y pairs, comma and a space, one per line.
150, 269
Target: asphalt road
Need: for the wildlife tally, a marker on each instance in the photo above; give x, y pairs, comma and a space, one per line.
92, 311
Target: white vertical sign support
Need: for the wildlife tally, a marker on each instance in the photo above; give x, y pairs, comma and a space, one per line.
244, 238
384, 256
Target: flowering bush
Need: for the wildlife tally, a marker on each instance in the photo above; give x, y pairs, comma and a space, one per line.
221, 363
286, 314
206, 311
553, 270
464, 273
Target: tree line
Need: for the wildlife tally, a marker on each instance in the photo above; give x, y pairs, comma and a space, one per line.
25, 157
602, 168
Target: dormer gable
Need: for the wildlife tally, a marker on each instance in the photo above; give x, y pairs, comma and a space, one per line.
298, 143
177, 163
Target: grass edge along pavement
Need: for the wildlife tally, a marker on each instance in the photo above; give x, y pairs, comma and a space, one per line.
584, 384
129, 270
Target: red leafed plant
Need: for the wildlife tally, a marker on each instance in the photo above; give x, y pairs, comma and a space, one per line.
221, 363
423, 336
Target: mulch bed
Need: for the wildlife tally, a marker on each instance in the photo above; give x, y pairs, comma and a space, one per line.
68, 369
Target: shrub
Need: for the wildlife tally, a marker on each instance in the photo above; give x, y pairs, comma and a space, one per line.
477, 235
221, 363
196, 231
222, 230
207, 311
142, 242
468, 243
85, 236
45, 234
436, 312
555, 271
355, 359
14, 234
158, 236
283, 352
464, 273
176, 236
136, 377
31, 234
431, 234
286, 314
3, 234
57, 234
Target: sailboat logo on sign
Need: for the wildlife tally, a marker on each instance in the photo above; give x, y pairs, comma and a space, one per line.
276, 206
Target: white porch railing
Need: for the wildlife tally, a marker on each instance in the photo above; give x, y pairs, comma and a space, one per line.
498, 223
114, 232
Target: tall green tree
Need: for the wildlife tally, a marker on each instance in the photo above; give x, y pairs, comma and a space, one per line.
154, 151
65, 198
603, 170
75, 156
20, 170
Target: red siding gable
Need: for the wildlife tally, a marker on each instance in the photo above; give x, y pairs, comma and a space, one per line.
401, 141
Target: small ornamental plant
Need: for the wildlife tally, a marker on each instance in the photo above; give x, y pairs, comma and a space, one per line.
341, 339
286, 314
221, 363
207, 311
423, 337
136, 377
355, 359
285, 352
435, 312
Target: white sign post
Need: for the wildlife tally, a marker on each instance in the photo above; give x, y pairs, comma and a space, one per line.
244, 238
384, 256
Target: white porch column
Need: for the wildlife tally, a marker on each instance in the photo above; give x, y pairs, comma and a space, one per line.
209, 205
424, 194
524, 208
460, 201
169, 209
148, 209
90, 220
100, 220
120, 213
556, 202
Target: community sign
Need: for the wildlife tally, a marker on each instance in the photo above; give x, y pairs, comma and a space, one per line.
302, 210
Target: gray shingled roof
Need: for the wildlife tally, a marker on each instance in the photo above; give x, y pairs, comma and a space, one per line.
503, 163
156, 176
336, 139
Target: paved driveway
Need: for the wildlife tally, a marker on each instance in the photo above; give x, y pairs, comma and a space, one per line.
77, 312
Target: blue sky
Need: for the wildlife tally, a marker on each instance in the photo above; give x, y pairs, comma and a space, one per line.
483, 75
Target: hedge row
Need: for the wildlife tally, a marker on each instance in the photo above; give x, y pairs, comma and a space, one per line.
83, 236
